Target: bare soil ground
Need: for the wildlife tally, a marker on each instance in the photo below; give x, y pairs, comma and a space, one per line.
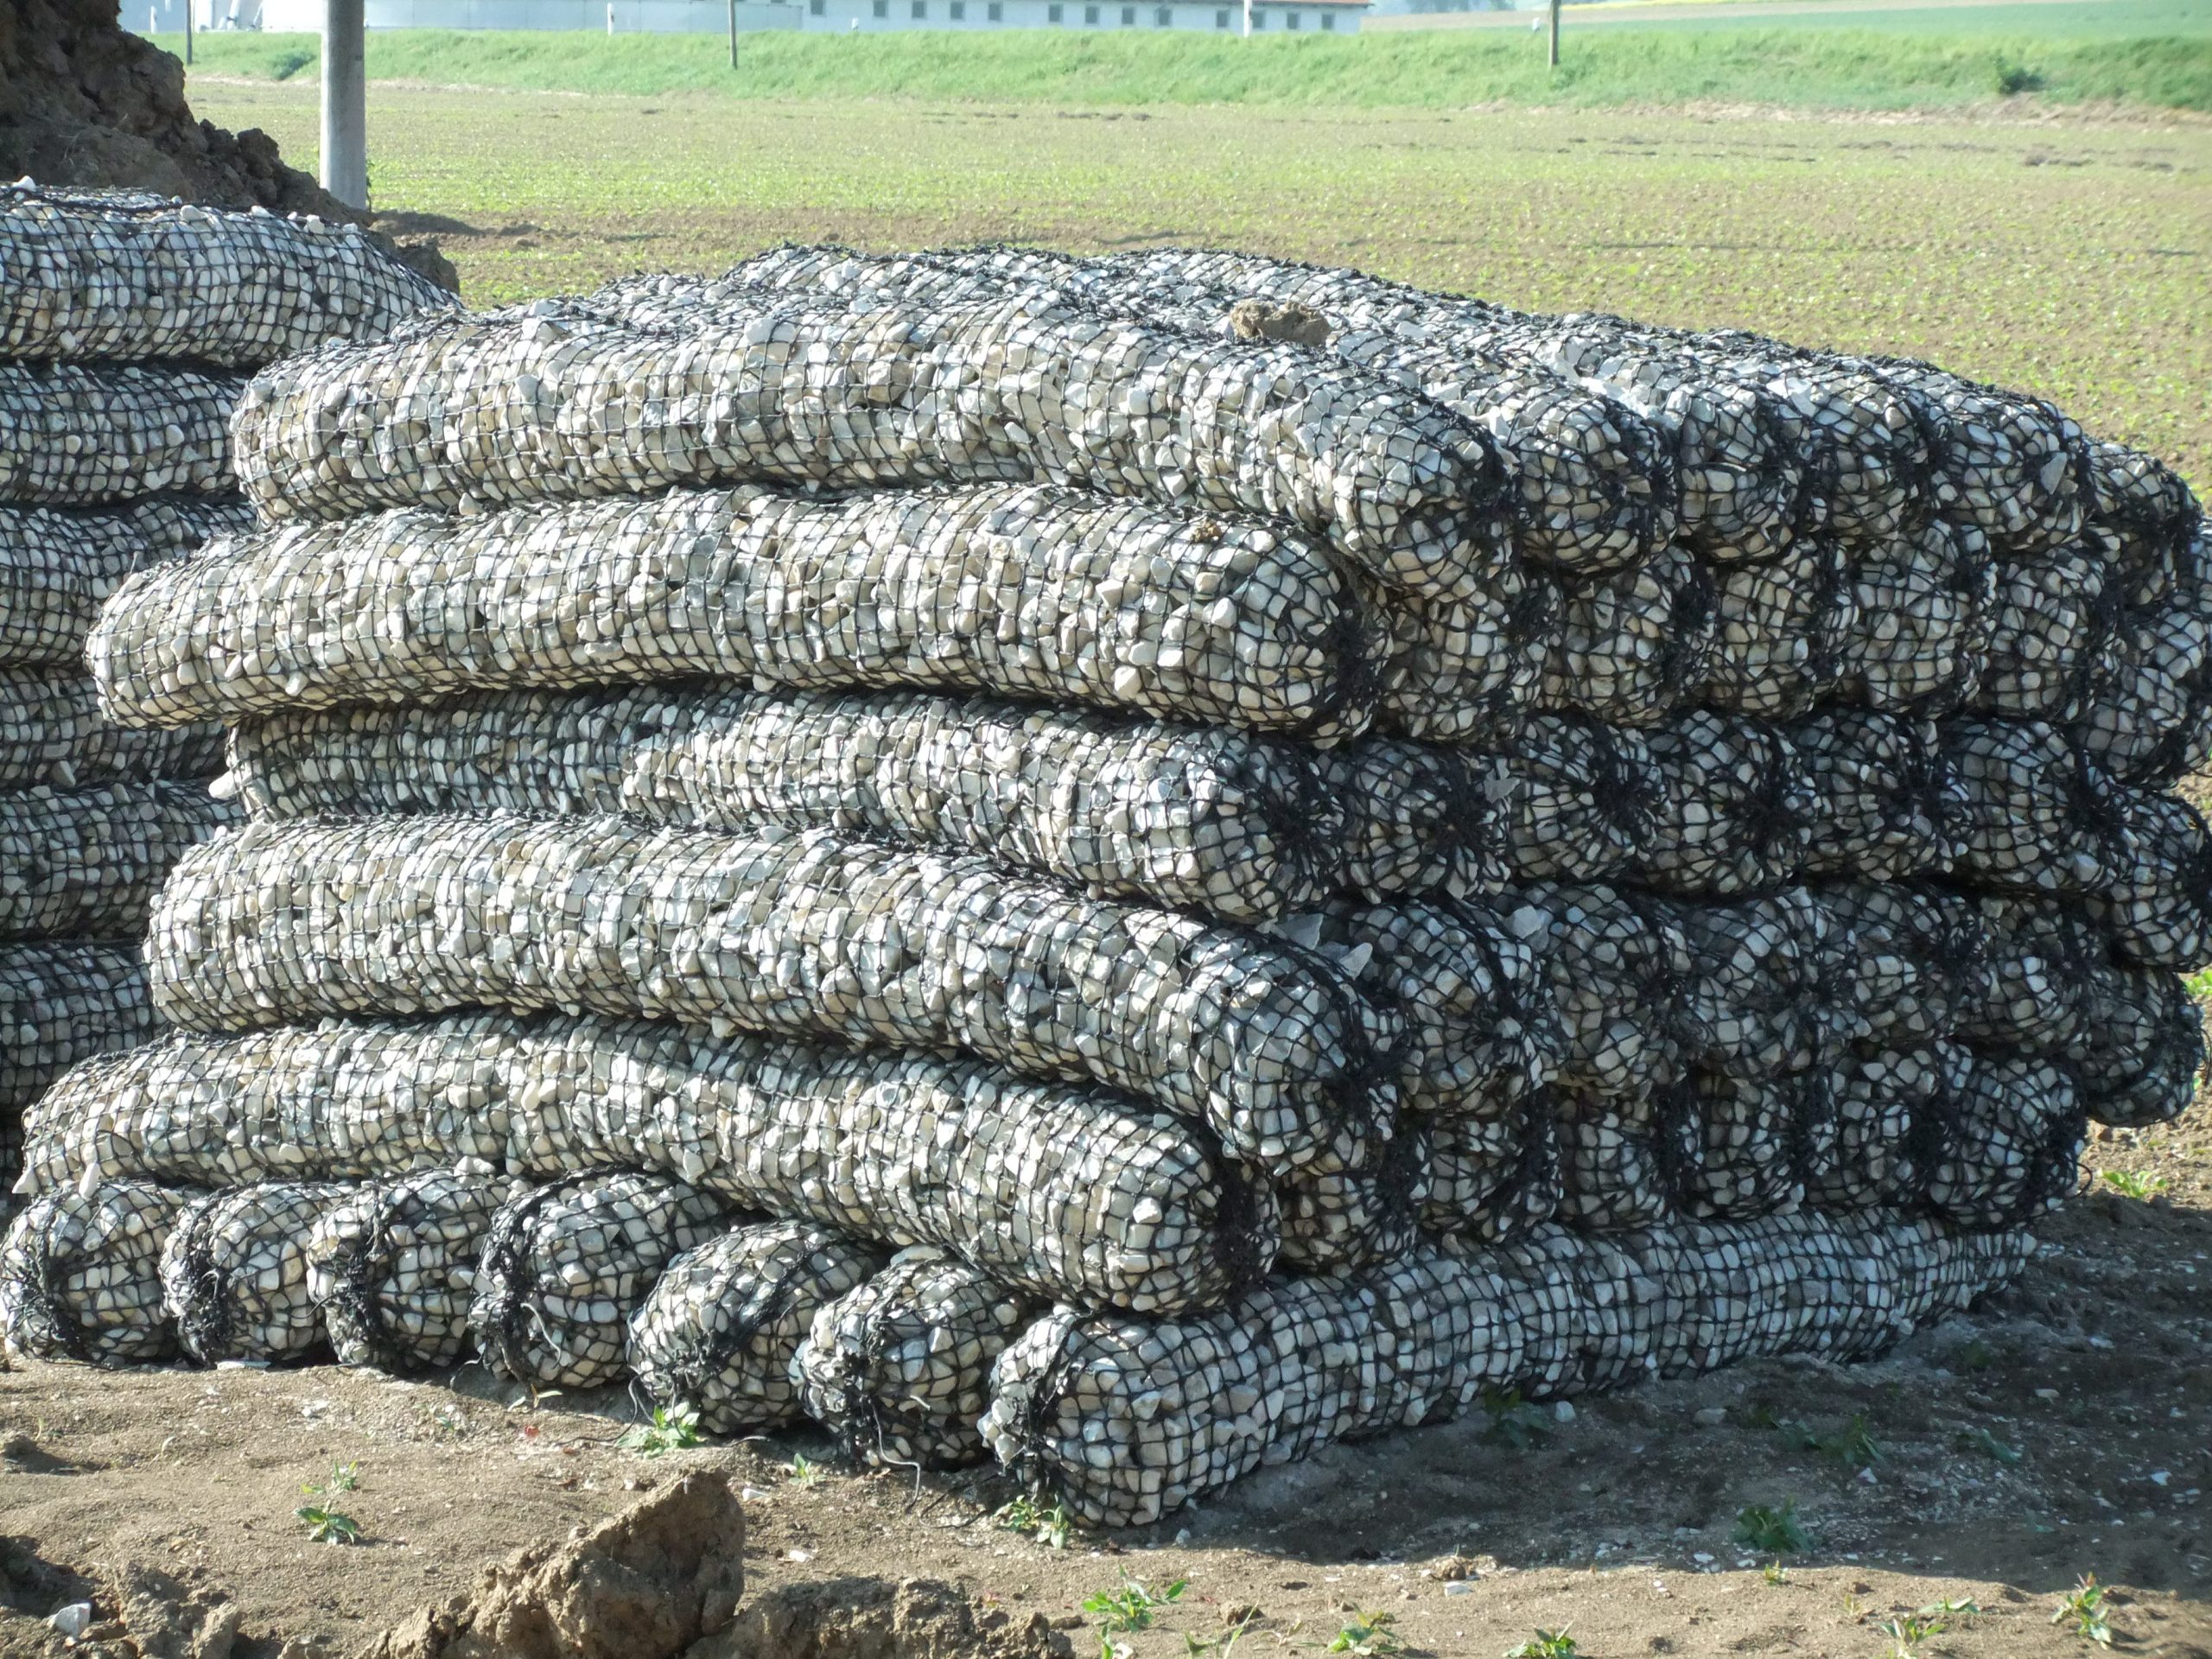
2065, 1428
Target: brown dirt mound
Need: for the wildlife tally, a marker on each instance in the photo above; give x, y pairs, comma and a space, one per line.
871, 1618
644, 1585
84, 103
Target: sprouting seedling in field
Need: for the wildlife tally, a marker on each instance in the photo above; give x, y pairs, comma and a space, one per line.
1132, 1604
1046, 1524
803, 1472
1771, 1531
673, 1428
1981, 1441
2083, 1610
342, 1478
1367, 1636
328, 1526
1546, 1644
2141, 1188
1774, 1573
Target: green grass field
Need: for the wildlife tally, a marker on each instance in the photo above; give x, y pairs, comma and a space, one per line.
2068, 257
2151, 52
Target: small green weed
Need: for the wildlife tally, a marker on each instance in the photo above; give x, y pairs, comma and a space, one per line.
2012, 79
2084, 1611
1367, 1635
803, 1471
673, 1428
1047, 1525
1132, 1604
328, 1526
1513, 1420
342, 1478
1853, 1446
1771, 1531
1546, 1645
1981, 1441
2141, 1188
1774, 1573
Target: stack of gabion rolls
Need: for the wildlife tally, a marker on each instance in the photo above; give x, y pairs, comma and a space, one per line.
125, 325
1136, 865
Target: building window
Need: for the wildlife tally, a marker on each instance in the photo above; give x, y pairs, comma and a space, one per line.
996, 12
1055, 13
818, 8
1290, 20
1328, 22
1091, 17
1163, 16
1221, 18
1259, 20
1128, 16
883, 7
959, 10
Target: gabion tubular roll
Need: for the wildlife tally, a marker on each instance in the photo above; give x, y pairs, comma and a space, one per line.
234, 1272
801, 934
722, 1325
51, 732
78, 436
1023, 591
1240, 826
119, 274
554, 404
900, 1369
65, 1001
565, 1265
391, 1266
58, 567
80, 1274
1068, 1194
1124, 1420
88, 861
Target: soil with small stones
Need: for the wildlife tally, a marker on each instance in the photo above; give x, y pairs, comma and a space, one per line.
2063, 1428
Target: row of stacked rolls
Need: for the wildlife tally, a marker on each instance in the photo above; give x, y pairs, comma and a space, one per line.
1134, 864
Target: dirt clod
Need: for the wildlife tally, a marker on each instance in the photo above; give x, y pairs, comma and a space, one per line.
644, 1585
874, 1619
1291, 320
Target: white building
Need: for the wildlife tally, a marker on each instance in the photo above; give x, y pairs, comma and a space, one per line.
816, 17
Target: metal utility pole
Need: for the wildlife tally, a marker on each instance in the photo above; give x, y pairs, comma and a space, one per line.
733, 34
188, 31
345, 104
1555, 57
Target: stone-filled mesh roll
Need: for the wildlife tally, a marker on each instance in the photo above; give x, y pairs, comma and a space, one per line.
1494, 1179
1736, 806
1595, 483
1355, 1218
62, 1001
1890, 802
1071, 1194
1125, 1421
719, 1330
87, 862
80, 1274
1781, 628
112, 274
234, 1272
74, 435
1621, 976
1920, 637
51, 732
1238, 825
553, 402
1032, 591
1740, 480
801, 934
1457, 663
565, 1265
391, 1266
1630, 649
58, 566
900, 1369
